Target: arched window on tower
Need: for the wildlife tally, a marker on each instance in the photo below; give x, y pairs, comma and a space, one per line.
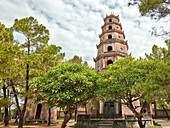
109, 36
109, 48
109, 62
110, 20
110, 27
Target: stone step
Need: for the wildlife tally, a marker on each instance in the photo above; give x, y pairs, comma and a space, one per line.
105, 126
106, 122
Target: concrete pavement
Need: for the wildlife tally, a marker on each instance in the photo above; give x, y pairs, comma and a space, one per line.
163, 123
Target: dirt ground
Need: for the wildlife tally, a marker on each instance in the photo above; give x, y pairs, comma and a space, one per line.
57, 125
38, 126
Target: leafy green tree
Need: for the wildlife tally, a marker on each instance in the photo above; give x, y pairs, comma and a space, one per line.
9, 65
128, 79
153, 8
156, 9
162, 76
67, 86
161, 54
51, 56
36, 37
77, 60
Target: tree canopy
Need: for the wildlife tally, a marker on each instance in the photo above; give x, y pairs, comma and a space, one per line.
21, 61
156, 9
10, 65
129, 80
77, 60
66, 86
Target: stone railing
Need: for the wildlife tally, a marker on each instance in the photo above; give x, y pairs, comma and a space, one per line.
113, 39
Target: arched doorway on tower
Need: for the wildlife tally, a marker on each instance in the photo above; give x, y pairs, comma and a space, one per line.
109, 62
110, 27
38, 112
109, 48
110, 36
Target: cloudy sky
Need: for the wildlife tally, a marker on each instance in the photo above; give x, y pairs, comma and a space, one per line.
75, 24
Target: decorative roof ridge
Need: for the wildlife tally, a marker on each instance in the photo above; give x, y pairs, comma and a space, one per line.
111, 15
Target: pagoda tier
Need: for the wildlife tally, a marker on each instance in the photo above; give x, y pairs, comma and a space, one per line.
112, 44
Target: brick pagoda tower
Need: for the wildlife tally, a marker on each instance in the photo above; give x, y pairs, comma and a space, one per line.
112, 47
112, 44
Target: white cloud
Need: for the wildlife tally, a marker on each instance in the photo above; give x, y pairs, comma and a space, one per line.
76, 24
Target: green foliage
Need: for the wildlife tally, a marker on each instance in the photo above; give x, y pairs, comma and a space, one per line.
36, 35
132, 80
153, 8
161, 78
21, 61
9, 54
156, 9
10, 61
40, 56
4, 102
67, 85
127, 78
154, 127
159, 53
51, 56
77, 60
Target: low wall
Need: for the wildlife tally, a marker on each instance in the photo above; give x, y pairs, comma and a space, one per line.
60, 114
132, 122
87, 122
161, 113
94, 123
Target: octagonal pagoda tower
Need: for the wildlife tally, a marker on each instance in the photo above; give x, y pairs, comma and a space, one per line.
112, 44
112, 47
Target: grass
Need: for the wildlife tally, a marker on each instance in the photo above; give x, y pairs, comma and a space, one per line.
165, 119
154, 127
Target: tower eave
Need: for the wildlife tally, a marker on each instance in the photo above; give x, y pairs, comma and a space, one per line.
111, 23
110, 16
113, 40
112, 30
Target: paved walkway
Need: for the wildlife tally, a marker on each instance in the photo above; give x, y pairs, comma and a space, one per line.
163, 123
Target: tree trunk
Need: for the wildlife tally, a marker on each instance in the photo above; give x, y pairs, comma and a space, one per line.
140, 122
10, 112
0, 115
67, 117
137, 114
49, 116
86, 108
155, 109
9, 116
59, 113
75, 118
6, 119
21, 119
20, 125
165, 111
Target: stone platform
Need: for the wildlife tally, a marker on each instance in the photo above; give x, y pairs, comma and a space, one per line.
87, 122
